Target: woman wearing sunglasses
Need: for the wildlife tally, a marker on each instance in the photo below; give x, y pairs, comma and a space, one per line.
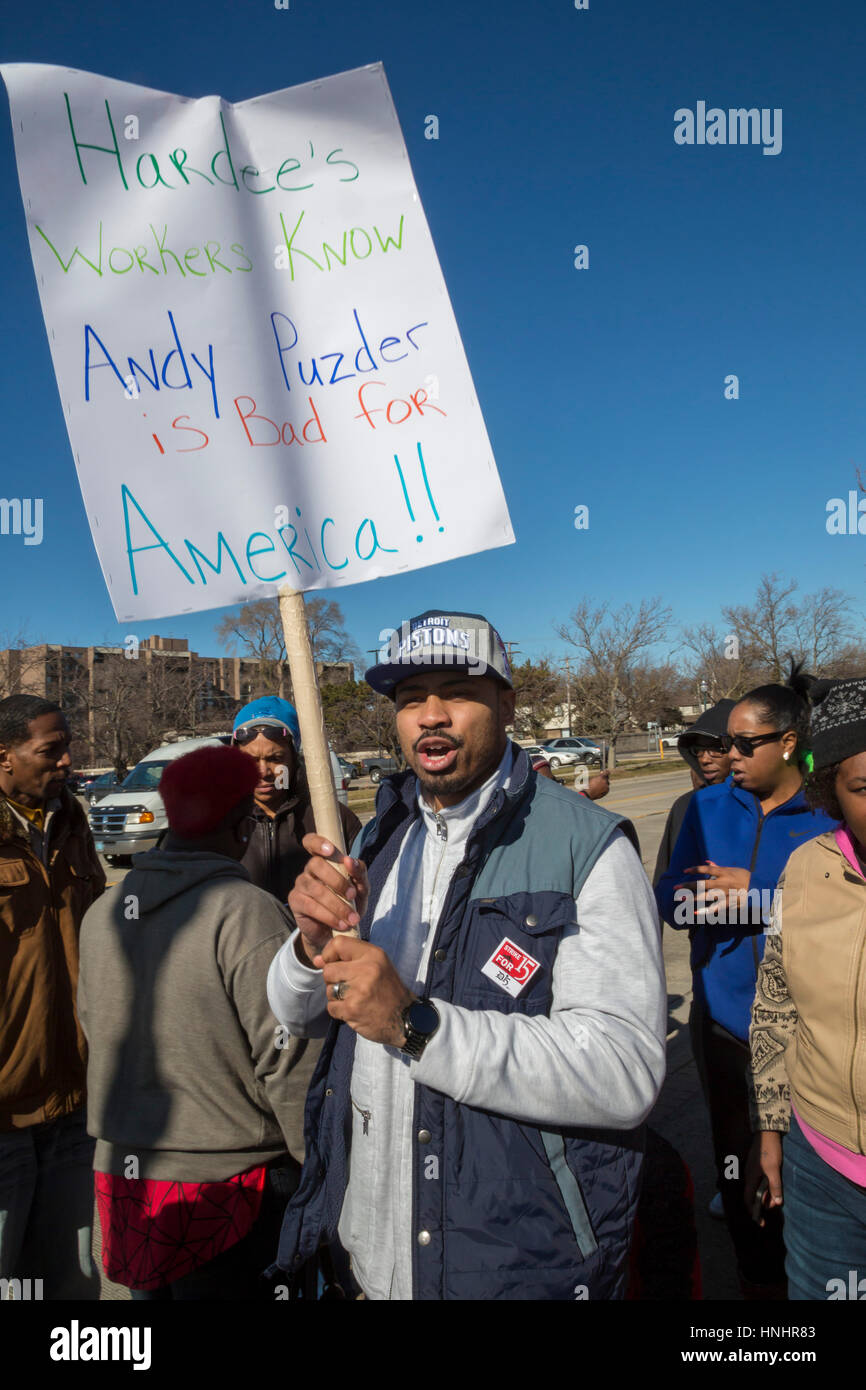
733, 845
808, 1036
268, 731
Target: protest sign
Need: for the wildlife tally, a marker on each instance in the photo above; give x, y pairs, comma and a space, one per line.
259, 366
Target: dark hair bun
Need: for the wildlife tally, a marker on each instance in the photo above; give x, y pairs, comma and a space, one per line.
800, 681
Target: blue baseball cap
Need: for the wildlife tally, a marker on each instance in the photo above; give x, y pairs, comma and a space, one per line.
269, 712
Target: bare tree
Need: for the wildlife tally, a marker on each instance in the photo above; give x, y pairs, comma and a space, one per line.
656, 694
174, 690
328, 636
610, 644
120, 711
851, 661
539, 691
776, 627
768, 626
18, 662
356, 717
256, 630
728, 664
823, 628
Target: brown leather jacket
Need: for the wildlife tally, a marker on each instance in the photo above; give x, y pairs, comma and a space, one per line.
42, 1049
808, 1033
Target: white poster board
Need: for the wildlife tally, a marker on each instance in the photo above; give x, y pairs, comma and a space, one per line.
259, 365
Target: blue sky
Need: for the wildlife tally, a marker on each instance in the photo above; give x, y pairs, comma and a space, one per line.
602, 387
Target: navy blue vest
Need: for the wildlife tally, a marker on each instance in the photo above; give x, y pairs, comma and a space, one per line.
515, 1211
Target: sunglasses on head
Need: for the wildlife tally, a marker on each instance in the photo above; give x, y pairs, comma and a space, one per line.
746, 744
248, 732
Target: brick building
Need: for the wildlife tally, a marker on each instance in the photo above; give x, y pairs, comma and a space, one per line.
121, 703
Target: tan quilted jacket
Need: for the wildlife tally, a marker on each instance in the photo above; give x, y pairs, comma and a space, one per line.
808, 1033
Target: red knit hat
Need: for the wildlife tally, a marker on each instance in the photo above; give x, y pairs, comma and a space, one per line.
201, 788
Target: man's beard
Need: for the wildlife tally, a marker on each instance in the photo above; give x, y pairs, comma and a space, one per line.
455, 780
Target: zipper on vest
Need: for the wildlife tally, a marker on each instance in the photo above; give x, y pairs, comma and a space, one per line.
366, 1116
269, 870
431, 925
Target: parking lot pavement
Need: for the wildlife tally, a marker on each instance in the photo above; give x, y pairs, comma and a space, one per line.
680, 1114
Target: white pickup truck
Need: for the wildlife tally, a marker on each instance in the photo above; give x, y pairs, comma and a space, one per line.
132, 819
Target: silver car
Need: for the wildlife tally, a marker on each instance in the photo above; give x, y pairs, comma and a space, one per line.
563, 751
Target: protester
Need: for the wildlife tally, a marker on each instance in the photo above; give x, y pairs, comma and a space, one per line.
702, 748
193, 1096
597, 786
734, 841
268, 731
49, 876
808, 1072
475, 1125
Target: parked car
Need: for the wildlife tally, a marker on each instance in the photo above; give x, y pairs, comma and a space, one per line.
83, 781
671, 740
132, 818
533, 751
98, 787
349, 770
380, 766
571, 750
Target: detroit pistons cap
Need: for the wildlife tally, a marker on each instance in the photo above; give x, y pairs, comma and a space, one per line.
435, 641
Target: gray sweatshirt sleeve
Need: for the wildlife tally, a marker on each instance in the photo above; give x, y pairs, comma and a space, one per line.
283, 1063
599, 1059
296, 994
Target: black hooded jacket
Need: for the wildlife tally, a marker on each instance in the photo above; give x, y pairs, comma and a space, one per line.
713, 721
275, 855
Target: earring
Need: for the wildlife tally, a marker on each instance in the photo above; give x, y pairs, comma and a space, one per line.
786, 756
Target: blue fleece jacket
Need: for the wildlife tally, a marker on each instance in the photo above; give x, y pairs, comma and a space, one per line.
725, 824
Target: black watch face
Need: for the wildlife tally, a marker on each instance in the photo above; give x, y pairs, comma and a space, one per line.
423, 1017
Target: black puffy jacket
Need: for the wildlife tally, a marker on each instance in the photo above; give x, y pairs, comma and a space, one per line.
275, 855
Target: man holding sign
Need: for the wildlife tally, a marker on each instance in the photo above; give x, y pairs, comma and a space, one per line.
475, 1124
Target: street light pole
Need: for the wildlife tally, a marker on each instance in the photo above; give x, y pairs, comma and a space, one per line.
374, 651
566, 660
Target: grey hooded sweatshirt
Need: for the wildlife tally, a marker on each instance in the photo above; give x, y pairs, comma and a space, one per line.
188, 1070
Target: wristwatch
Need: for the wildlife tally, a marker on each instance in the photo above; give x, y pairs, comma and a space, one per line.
420, 1021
